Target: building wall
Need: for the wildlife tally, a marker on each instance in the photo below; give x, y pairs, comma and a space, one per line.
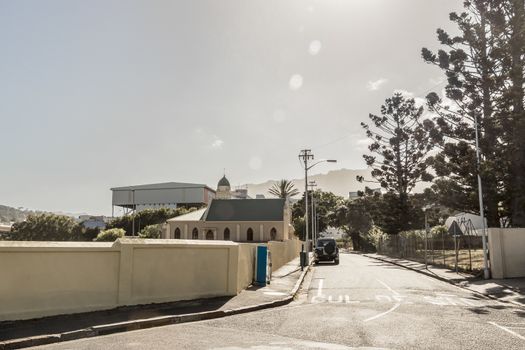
170, 196
49, 278
238, 229
507, 252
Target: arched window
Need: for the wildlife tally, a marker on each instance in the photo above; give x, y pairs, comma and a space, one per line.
226, 234
195, 233
249, 234
209, 235
273, 234
177, 233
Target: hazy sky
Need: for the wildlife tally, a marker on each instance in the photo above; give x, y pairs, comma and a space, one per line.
96, 94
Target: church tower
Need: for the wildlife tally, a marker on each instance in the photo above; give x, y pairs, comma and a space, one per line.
223, 189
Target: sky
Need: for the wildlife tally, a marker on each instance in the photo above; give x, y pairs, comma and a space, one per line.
104, 93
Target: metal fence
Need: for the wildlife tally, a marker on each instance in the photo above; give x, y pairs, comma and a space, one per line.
461, 252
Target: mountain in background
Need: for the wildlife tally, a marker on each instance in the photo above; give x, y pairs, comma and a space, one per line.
339, 182
9, 214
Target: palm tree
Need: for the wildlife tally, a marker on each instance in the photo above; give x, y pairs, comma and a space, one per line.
283, 189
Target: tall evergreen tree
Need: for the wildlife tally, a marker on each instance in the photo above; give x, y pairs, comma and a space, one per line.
400, 142
478, 65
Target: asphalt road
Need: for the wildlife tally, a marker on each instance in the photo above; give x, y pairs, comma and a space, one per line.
361, 303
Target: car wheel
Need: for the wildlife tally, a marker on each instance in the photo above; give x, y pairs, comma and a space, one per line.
316, 262
336, 261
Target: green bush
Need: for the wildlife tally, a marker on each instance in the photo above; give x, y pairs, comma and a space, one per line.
110, 235
151, 231
46, 227
146, 218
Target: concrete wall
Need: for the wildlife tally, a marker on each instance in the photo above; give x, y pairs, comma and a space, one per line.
49, 278
283, 252
507, 252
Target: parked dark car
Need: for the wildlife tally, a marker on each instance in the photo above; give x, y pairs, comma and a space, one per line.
326, 250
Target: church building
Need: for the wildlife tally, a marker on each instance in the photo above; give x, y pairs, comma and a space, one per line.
228, 217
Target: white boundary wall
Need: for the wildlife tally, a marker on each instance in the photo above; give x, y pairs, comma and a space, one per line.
48, 278
507, 252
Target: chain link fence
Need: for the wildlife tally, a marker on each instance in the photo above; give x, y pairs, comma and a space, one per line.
460, 252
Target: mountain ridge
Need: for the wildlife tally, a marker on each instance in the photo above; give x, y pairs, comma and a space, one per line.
339, 182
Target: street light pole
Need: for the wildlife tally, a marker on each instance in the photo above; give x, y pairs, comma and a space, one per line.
306, 155
312, 184
486, 272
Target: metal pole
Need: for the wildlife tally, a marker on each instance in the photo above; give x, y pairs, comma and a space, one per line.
305, 156
443, 248
312, 207
426, 239
456, 248
133, 215
486, 272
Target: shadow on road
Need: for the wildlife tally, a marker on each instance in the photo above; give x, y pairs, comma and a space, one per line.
66, 323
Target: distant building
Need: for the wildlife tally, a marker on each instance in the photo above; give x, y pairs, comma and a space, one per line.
470, 224
355, 194
241, 220
236, 219
162, 195
5, 228
93, 221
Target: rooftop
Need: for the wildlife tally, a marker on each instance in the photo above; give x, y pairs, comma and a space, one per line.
159, 186
193, 216
246, 210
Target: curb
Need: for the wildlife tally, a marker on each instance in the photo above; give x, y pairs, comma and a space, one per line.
148, 323
459, 285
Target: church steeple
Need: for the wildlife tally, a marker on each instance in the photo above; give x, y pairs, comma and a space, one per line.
223, 188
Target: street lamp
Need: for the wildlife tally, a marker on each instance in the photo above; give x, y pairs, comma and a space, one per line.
306, 155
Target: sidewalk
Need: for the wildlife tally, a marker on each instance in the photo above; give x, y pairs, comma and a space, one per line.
510, 290
282, 289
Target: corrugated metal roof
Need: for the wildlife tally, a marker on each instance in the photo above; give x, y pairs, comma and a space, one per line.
246, 210
193, 216
159, 186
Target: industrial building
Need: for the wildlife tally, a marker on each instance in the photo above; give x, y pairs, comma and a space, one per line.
161, 195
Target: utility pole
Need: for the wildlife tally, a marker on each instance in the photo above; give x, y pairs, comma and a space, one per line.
312, 184
305, 155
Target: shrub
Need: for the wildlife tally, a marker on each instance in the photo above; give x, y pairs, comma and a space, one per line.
46, 227
151, 231
110, 235
146, 217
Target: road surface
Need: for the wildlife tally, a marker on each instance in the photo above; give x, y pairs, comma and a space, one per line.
360, 303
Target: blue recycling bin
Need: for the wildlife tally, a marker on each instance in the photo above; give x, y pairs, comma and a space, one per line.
261, 264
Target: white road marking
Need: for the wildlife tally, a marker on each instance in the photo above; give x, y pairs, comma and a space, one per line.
508, 330
396, 294
388, 287
319, 298
384, 313
320, 288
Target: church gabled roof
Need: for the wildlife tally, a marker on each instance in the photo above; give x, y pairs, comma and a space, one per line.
245, 210
223, 182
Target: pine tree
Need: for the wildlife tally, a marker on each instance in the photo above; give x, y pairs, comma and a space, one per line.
484, 70
400, 142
